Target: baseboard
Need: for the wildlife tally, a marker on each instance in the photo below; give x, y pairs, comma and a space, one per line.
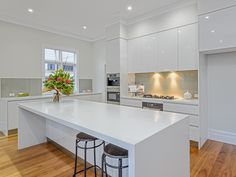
222, 136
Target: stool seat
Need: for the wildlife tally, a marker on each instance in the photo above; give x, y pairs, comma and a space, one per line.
85, 137
115, 151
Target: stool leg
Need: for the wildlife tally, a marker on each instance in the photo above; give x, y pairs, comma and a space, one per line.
103, 156
95, 165
105, 161
120, 168
85, 159
76, 153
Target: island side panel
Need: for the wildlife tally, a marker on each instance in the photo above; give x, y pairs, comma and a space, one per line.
66, 136
31, 130
165, 154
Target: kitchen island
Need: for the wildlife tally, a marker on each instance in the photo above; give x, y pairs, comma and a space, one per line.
158, 142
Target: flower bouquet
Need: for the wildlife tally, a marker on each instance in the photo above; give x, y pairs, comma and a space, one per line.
61, 82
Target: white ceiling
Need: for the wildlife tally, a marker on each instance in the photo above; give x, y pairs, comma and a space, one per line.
69, 16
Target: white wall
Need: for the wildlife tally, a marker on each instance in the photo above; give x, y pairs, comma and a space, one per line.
221, 72
99, 61
172, 19
21, 50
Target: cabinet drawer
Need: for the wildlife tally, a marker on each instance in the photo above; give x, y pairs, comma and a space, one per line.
194, 133
181, 108
131, 102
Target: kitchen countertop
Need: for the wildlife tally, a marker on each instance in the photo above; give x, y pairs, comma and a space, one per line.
106, 119
43, 96
176, 101
144, 133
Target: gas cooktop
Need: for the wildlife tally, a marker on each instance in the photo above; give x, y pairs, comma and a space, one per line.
159, 97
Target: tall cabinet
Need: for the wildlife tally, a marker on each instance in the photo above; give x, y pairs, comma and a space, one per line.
113, 56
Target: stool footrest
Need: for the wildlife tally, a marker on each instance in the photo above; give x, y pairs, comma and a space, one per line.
89, 168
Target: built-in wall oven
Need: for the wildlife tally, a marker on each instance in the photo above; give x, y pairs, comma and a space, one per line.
113, 95
113, 88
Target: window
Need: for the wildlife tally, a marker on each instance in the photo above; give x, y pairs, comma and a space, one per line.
55, 59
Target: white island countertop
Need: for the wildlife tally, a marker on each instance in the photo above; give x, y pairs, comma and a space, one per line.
126, 124
149, 136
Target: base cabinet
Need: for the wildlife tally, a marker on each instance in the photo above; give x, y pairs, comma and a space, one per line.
193, 112
131, 102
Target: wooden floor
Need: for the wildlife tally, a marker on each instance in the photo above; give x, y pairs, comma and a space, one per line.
214, 160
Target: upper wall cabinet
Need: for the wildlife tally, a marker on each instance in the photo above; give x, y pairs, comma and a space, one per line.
206, 6
172, 50
218, 31
167, 51
113, 56
142, 54
188, 48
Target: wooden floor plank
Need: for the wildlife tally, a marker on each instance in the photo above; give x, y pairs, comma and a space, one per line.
215, 159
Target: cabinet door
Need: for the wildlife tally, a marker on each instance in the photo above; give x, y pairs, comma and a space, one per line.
148, 54
131, 102
167, 52
188, 48
12, 116
133, 55
113, 56
142, 54
218, 31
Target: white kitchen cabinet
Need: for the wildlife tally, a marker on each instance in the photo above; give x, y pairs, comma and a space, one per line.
133, 102
188, 47
113, 56
206, 6
142, 54
167, 51
194, 121
218, 31
12, 112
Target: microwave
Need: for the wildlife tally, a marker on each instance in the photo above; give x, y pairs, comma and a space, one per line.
113, 80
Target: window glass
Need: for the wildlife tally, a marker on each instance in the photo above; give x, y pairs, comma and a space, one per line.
51, 55
68, 57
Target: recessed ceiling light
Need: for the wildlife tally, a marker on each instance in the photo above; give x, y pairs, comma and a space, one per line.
129, 8
31, 10
213, 31
207, 17
84, 27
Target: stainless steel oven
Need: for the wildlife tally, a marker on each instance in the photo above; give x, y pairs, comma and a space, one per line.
113, 80
113, 95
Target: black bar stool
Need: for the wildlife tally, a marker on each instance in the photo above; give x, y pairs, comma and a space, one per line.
85, 138
114, 152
